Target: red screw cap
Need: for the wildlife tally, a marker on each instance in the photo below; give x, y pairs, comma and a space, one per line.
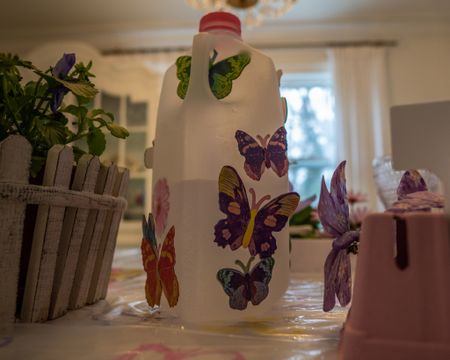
220, 20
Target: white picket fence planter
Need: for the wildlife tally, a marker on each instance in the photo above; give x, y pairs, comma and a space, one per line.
74, 237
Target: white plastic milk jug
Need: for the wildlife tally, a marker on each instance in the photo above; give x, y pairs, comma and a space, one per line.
220, 186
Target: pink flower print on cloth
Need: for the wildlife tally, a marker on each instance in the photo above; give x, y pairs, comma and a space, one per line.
160, 205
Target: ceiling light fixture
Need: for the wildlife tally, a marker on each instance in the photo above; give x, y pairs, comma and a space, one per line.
251, 12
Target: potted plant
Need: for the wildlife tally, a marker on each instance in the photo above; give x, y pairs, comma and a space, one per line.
40, 123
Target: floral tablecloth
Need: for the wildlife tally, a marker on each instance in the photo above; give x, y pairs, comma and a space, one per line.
122, 327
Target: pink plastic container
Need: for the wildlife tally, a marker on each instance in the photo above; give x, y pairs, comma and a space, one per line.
401, 302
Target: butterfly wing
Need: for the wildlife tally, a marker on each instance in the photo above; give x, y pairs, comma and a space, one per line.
272, 217
343, 281
233, 202
259, 279
333, 206
235, 286
183, 64
166, 269
253, 153
222, 74
329, 294
150, 262
276, 152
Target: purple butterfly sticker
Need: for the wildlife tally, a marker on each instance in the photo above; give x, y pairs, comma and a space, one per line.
242, 287
334, 215
268, 153
413, 195
247, 226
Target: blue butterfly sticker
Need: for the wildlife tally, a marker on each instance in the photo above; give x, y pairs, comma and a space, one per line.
242, 287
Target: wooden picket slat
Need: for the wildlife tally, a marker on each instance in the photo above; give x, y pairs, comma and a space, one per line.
74, 234
74, 225
102, 269
91, 240
51, 195
15, 156
47, 232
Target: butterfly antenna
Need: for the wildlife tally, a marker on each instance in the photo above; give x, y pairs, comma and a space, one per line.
263, 141
249, 263
259, 203
241, 265
252, 192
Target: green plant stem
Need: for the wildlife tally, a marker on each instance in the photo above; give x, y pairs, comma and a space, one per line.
36, 89
40, 103
78, 137
13, 118
17, 125
46, 108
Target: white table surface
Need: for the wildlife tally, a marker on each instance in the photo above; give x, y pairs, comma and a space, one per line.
122, 327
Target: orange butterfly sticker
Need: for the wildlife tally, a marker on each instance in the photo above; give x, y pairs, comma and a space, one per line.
159, 265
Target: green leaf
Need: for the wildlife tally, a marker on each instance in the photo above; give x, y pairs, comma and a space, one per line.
103, 122
302, 217
84, 101
95, 112
117, 131
77, 152
96, 142
37, 162
53, 132
78, 111
3, 132
30, 88
83, 89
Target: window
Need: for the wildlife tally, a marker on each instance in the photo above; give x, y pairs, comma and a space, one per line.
310, 131
129, 154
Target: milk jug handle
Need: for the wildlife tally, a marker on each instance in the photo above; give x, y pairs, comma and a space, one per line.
199, 87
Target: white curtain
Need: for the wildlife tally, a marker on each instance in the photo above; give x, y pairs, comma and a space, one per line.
362, 113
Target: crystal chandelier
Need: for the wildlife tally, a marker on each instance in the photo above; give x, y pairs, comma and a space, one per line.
251, 12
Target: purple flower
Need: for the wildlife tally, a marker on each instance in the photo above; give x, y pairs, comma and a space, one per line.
334, 216
413, 195
411, 182
60, 71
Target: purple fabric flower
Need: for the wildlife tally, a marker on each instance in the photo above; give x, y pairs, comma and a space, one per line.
334, 216
60, 71
413, 195
411, 182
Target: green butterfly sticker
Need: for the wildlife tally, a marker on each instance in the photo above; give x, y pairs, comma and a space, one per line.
221, 74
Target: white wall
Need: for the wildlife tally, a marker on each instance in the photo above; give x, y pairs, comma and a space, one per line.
419, 69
